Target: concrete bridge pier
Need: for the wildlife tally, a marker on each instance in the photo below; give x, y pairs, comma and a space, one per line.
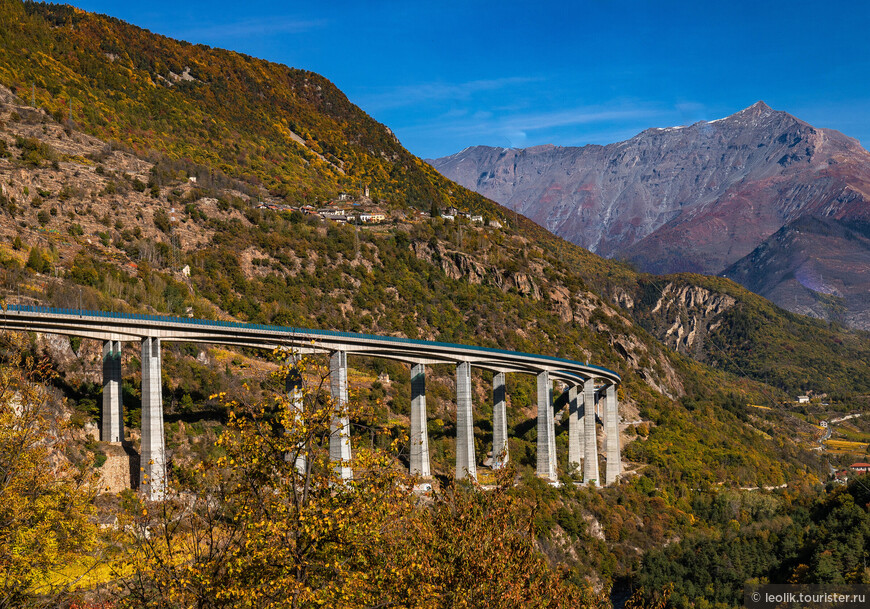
153, 451
293, 387
575, 431
339, 436
112, 429
466, 460
419, 424
612, 448
590, 462
500, 454
546, 458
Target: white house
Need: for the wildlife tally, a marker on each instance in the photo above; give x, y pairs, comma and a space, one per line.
373, 217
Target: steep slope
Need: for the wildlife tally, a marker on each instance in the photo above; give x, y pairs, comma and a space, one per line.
815, 266
696, 198
286, 131
724, 325
83, 224
105, 224
109, 218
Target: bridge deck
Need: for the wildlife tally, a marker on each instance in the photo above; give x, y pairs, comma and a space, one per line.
105, 325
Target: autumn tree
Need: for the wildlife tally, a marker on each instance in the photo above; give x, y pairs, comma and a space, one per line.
45, 501
259, 528
38, 261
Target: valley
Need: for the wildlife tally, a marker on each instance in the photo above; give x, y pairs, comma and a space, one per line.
194, 198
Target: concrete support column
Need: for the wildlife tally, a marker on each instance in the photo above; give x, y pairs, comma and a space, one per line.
293, 387
339, 436
590, 463
546, 462
112, 429
153, 454
611, 424
576, 441
419, 423
466, 463
499, 422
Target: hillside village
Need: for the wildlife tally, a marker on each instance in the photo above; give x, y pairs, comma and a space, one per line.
347, 209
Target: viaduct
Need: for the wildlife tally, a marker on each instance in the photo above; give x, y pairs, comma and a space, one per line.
588, 386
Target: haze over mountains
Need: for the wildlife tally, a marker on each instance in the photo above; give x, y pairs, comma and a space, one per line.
760, 196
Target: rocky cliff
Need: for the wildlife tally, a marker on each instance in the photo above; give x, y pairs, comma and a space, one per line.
696, 198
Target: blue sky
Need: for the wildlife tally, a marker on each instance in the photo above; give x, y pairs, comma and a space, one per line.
446, 75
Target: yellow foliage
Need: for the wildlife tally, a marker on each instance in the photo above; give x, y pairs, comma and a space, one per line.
45, 502
256, 529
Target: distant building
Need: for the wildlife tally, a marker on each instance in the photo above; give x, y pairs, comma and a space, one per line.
373, 217
336, 215
495, 224
478, 219
450, 217
860, 468
451, 211
803, 399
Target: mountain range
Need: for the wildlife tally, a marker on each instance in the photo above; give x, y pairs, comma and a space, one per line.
144, 174
759, 196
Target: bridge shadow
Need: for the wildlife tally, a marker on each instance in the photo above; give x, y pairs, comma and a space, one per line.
211, 414
524, 427
622, 590
134, 463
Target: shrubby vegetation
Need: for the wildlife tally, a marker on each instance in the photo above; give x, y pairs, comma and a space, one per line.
796, 536
519, 288
46, 502
757, 339
124, 84
260, 531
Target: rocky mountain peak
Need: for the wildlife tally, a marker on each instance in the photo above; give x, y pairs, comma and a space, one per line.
694, 198
759, 108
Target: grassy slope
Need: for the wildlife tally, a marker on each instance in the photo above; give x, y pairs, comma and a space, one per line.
236, 116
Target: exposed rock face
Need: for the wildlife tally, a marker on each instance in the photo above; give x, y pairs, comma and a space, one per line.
684, 315
580, 307
696, 198
457, 265
59, 348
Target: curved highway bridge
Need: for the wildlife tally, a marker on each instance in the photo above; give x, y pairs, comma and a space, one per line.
593, 383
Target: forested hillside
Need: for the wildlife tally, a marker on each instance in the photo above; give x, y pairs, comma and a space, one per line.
150, 198
289, 130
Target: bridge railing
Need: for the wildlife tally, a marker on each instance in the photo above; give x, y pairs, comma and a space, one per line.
288, 330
